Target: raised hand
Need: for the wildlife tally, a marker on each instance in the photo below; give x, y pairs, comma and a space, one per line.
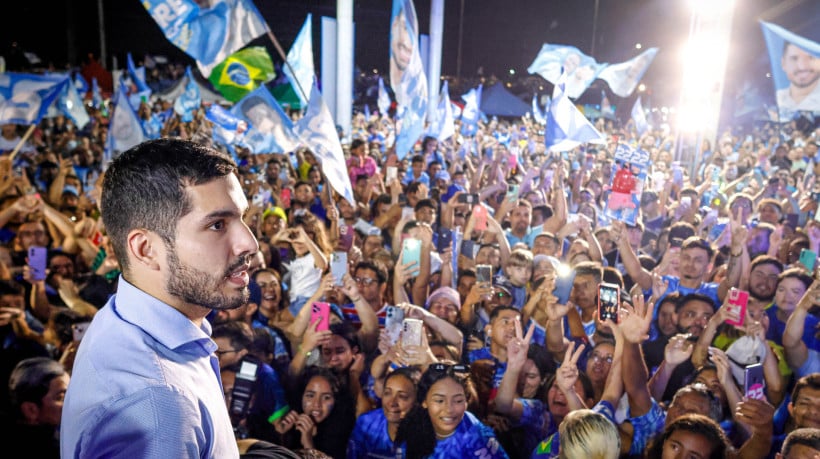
678, 350
634, 321
739, 233
307, 427
517, 347
567, 373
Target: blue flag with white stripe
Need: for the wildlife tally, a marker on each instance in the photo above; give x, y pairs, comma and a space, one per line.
125, 130
581, 70
71, 105
25, 98
567, 127
317, 131
407, 76
190, 100
271, 128
228, 129
471, 112
81, 84
210, 34
137, 75
300, 58
96, 95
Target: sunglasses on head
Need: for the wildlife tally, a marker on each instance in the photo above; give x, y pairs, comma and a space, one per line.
459, 368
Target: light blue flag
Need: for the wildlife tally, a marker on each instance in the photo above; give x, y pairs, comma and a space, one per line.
25, 98
211, 34
367, 113
537, 114
81, 84
317, 131
125, 130
607, 109
228, 129
384, 99
443, 127
190, 100
300, 58
152, 126
581, 69
471, 112
407, 76
566, 126
795, 62
623, 78
137, 75
71, 105
96, 95
639, 117
271, 128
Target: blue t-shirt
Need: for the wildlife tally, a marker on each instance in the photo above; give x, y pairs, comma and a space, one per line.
777, 328
549, 448
500, 367
528, 238
709, 289
472, 439
370, 438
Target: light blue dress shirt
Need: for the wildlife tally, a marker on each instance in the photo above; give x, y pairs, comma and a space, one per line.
145, 384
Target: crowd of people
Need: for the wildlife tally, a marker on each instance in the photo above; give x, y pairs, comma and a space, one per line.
194, 304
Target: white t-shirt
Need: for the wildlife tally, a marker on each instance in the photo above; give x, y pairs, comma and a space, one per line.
305, 277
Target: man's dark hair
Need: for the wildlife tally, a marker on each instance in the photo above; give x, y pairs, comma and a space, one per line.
356, 143
417, 159
695, 242
695, 297
31, 379
145, 187
592, 268
239, 334
806, 436
766, 260
11, 288
380, 274
798, 273
425, 203
498, 310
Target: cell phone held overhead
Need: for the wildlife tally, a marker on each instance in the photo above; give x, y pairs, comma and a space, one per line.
609, 296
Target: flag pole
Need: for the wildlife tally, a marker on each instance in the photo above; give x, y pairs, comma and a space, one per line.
21, 142
285, 58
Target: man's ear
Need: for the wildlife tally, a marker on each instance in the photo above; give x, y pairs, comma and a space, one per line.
145, 248
30, 411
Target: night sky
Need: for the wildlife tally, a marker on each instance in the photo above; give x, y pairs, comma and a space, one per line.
498, 34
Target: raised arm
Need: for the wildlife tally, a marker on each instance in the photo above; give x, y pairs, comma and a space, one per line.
506, 400
633, 266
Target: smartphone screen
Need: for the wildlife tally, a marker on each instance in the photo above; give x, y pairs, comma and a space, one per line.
345, 237
392, 174
411, 252
512, 193
608, 301
284, 198
563, 283
411, 332
321, 312
338, 267
37, 259
791, 220
754, 384
469, 249
445, 239
738, 299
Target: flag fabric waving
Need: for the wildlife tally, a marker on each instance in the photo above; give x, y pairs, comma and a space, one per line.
300, 59
792, 58
96, 95
443, 127
25, 98
384, 99
623, 78
317, 131
580, 69
228, 129
190, 100
639, 117
242, 72
125, 130
607, 109
566, 126
271, 128
407, 76
208, 35
537, 114
471, 112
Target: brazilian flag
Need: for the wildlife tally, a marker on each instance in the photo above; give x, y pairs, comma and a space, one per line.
242, 72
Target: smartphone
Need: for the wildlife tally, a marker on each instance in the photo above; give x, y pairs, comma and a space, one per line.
78, 330
338, 267
467, 198
469, 249
512, 192
754, 384
345, 237
484, 274
444, 240
394, 316
480, 216
284, 198
808, 259
320, 311
411, 330
37, 260
411, 253
609, 296
563, 283
738, 299
392, 174
791, 220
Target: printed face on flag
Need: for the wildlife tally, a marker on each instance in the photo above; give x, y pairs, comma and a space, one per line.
801, 68
795, 62
401, 47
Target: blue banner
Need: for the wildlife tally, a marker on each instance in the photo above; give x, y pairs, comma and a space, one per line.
471, 112
384, 99
271, 128
624, 200
190, 100
795, 70
567, 127
407, 76
25, 98
639, 117
208, 35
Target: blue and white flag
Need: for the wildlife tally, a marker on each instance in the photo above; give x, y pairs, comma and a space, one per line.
795, 62
96, 95
190, 100
300, 58
471, 112
537, 114
566, 126
407, 76
623, 78
71, 105
317, 131
228, 129
639, 117
607, 109
211, 34
137, 76
25, 98
125, 130
152, 126
367, 113
384, 99
443, 127
81, 84
581, 70
271, 128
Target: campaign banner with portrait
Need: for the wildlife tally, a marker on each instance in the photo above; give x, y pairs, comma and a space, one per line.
624, 200
271, 128
795, 62
581, 70
407, 75
623, 78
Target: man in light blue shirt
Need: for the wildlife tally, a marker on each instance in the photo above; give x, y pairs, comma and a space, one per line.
146, 381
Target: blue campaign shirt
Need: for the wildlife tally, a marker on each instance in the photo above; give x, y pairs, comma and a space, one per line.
709, 289
370, 439
551, 445
528, 238
145, 384
484, 354
471, 439
777, 328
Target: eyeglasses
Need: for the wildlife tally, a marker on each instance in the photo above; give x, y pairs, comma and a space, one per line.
221, 353
459, 368
366, 281
596, 357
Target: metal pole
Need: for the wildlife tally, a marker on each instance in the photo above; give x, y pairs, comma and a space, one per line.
460, 39
101, 21
594, 28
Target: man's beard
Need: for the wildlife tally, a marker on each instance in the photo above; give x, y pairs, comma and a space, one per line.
201, 288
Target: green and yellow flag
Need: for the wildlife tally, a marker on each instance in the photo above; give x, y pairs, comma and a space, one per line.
242, 72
